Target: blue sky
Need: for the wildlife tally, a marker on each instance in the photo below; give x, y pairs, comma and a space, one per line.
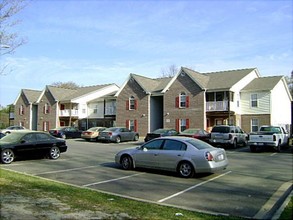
98, 42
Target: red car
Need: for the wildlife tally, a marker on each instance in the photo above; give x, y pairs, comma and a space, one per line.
197, 133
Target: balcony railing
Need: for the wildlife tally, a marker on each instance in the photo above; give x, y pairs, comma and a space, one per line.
68, 112
217, 106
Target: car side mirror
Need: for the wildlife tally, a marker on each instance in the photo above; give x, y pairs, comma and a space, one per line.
22, 141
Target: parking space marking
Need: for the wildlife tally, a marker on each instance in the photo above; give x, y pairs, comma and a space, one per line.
61, 171
192, 187
112, 180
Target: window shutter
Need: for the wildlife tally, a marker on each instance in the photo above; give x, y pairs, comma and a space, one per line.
177, 102
127, 105
187, 123
177, 124
127, 124
135, 125
135, 104
187, 101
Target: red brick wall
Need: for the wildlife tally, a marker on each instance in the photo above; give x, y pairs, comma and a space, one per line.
122, 114
195, 112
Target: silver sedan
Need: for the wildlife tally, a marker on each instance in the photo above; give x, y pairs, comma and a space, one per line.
184, 155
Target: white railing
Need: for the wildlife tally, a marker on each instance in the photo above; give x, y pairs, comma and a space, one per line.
68, 112
217, 106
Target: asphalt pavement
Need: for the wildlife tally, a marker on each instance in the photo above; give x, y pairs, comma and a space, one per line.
255, 185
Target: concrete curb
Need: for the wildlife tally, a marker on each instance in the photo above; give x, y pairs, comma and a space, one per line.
275, 202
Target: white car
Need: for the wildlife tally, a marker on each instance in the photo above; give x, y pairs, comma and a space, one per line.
9, 129
183, 155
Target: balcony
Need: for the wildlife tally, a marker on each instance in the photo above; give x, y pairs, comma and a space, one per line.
68, 112
217, 106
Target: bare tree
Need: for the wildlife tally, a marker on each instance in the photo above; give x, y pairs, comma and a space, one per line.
9, 40
66, 85
169, 71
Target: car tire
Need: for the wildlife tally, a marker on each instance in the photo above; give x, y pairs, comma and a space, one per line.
234, 144
136, 137
185, 169
7, 156
54, 153
126, 162
118, 139
253, 149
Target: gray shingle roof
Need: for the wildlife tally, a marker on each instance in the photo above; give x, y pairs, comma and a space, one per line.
226, 79
31, 95
62, 94
262, 83
151, 85
217, 80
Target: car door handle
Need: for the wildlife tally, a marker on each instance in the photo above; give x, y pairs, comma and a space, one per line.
155, 154
179, 155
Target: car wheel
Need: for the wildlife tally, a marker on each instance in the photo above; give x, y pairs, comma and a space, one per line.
185, 169
234, 145
136, 137
7, 156
278, 148
54, 153
126, 162
118, 139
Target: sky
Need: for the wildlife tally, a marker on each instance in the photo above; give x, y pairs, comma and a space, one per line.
94, 42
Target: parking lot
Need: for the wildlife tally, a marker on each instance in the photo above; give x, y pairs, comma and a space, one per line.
253, 186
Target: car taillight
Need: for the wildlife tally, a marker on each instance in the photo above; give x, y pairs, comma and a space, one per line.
110, 133
209, 156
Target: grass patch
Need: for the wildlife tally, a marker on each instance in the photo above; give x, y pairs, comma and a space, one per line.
81, 199
288, 211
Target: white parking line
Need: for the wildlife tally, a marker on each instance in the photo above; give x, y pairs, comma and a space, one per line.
192, 187
112, 180
61, 171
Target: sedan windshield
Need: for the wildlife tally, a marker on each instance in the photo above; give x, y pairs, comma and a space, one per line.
199, 144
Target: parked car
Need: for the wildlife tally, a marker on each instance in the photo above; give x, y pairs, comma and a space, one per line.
162, 132
30, 143
118, 134
197, 133
1, 135
227, 135
66, 132
9, 129
92, 134
183, 155
268, 137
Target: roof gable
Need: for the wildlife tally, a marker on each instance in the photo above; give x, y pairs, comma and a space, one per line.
30, 95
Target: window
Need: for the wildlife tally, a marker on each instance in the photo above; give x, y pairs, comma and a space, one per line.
46, 126
182, 101
254, 125
174, 145
153, 145
131, 104
46, 109
95, 109
253, 100
182, 124
21, 110
131, 125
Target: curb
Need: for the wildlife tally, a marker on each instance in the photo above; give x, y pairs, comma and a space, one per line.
270, 208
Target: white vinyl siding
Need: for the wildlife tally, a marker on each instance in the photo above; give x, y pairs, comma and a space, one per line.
263, 103
280, 115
